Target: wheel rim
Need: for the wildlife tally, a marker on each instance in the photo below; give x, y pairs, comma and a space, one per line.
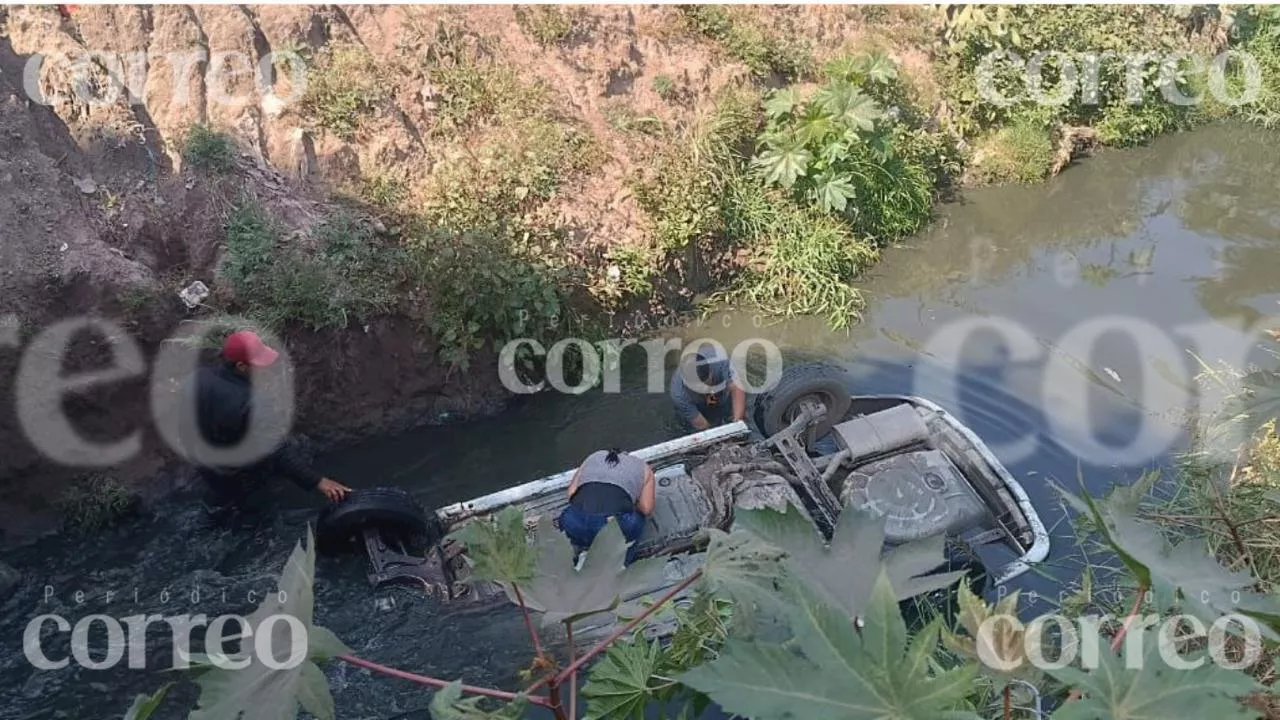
793, 411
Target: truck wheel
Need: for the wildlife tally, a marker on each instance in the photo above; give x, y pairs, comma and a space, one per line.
392, 511
776, 409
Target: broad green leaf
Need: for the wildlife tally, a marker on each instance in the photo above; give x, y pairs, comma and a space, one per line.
741, 566
564, 593
448, 704
618, 686
861, 112
498, 548
845, 67
144, 705
1153, 690
843, 573
263, 693
834, 194
833, 672
1258, 401
781, 102
783, 165
995, 637
879, 68
1208, 589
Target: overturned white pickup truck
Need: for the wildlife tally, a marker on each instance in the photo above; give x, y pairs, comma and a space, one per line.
899, 457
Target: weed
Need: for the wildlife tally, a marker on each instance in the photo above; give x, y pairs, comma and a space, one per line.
547, 24
762, 48
512, 171
1020, 152
624, 118
343, 88
346, 274
96, 502
804, 261
630, 271
487, 288
383, 191
665, 87
835, 151
208, 149
472, 85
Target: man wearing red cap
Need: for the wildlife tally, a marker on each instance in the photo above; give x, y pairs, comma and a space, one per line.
223, 401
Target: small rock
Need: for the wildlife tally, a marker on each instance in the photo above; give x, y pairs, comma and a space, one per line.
63, 248
87, 185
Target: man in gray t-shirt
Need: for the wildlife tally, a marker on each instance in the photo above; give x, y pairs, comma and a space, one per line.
714, 398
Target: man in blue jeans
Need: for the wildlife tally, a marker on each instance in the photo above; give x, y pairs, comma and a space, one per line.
611, 484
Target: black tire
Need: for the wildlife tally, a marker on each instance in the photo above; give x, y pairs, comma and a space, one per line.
392, 511
776, 409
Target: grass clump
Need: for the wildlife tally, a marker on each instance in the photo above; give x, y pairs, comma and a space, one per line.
1258, 33
344, 86
503, 181
209, 149
339, 274
97, 502
764, 49
473, 87
548, 25
804, 262
665, 87
1021, 152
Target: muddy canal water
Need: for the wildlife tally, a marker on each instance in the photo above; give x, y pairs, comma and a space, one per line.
1061, 322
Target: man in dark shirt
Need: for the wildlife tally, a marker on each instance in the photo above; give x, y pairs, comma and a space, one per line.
233, 468
718, 398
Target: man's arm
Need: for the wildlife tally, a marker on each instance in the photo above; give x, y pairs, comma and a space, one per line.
649, 495
739, 400
687, 409
288, 461
573, 484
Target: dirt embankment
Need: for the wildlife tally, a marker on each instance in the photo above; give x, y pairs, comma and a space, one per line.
101, 217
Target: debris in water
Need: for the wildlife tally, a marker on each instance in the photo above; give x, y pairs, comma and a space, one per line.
1114, 375
384, 604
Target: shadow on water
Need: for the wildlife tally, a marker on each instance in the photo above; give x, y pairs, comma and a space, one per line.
981, 315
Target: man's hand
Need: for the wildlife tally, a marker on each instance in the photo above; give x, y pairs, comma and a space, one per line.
700, 423
335, 491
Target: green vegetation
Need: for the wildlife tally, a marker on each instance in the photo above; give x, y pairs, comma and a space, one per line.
837, 176
835, 152
96, 502
1086, 34
344, 86
1019, 152
340, 274
208, 149
547, 24
762, 47
665, 86
474, 86
1258, 33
